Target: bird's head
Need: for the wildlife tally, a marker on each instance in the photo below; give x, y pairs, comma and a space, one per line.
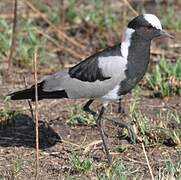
147, 26
143, 27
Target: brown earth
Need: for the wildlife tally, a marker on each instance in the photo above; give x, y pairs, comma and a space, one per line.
59, 139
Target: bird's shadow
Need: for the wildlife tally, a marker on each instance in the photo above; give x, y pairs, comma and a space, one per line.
20, 131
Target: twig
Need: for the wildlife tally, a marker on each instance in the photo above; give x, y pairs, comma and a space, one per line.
135, 161
13, 42
146, 157
36, 113
68, 142
88, 147
62, 12
11, 16
130, 7
62, 36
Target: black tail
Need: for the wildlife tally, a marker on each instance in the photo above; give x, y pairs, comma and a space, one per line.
30, 94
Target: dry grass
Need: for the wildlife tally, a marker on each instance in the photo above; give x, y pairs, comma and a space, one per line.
70, 145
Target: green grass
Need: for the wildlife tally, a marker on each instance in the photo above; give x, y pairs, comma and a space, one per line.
143, 126
118, 171
173, 168
164, 130
52, 11
92, 12
122, 170
133, 105
165, 79
80, 117
5, 34
81, 163
141, 121
71, 13
6, 116
170, 20
169, 131
17, 166
27, 40
168, 14
27, 44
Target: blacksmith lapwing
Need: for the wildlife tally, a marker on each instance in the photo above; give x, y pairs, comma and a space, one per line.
107, 75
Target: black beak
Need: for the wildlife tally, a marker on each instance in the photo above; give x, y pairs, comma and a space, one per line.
163, 33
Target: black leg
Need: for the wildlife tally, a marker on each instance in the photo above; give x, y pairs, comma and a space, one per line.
105, 144
99, 122
87, 109
131, 133
120, 108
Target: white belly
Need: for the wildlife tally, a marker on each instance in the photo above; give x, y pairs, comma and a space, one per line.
112, 95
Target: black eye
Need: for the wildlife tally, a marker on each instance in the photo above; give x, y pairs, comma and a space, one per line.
149, 27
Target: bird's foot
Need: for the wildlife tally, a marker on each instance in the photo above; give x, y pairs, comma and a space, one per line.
103, 137
121, 110
88, 110
93, 113
131, 133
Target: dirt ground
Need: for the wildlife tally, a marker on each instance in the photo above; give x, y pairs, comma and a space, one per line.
59, 139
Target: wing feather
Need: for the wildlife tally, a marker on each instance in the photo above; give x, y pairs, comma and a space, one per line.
90, 69
87, 80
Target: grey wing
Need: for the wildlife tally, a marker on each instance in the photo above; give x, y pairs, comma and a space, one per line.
112, 68
90, 70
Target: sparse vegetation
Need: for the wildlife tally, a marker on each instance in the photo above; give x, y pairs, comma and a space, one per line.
169, 128
6, 116
4, 38
27, 44
92, 12
117, 171
94, 24
166, 130
80, 164
80, 117
171, 20
173, 169
165, 79
17, 166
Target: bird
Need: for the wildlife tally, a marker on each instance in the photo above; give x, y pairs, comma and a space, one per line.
105, 76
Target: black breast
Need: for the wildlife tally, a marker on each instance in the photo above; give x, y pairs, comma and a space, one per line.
138, 60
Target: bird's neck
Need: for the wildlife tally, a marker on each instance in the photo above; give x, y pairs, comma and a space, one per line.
135, 48
136, 51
